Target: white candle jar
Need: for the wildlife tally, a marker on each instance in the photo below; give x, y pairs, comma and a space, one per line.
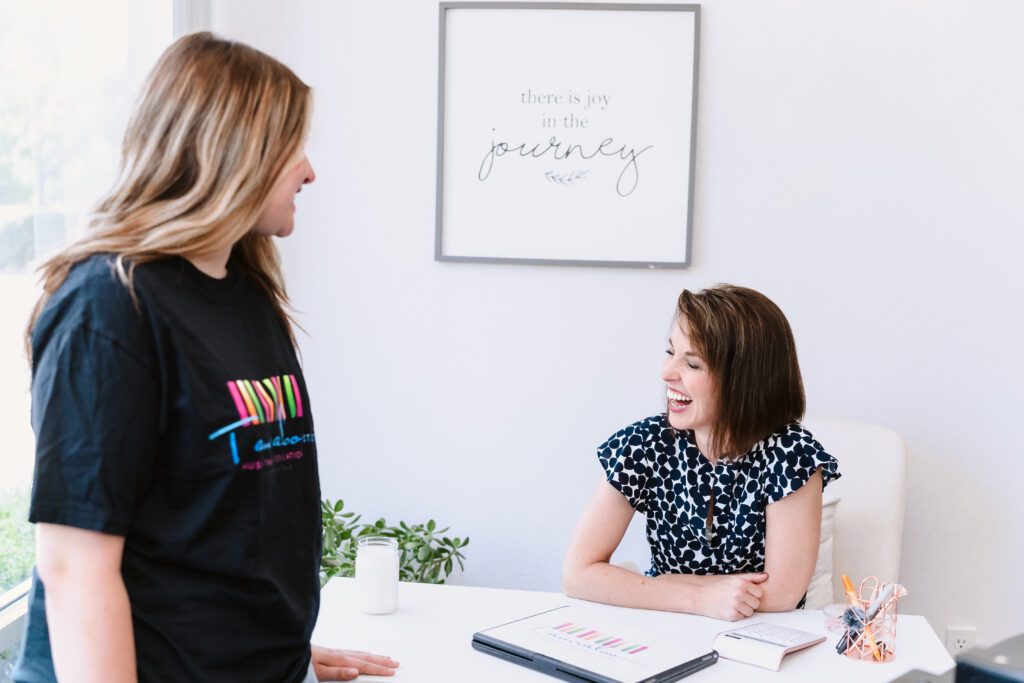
377, 575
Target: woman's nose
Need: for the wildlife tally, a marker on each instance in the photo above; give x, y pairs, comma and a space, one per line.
310, 173
669, 371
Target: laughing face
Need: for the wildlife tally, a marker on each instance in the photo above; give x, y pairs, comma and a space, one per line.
689, 387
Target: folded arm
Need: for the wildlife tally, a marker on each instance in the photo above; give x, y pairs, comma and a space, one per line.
792, 535
588, 574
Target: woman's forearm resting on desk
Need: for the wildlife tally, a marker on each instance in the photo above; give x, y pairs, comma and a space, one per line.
587, 573
721, 597
87, 608
791, 549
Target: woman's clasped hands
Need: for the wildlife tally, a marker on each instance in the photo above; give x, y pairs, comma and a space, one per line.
724, 596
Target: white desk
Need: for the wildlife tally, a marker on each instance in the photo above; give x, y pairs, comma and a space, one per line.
430, 635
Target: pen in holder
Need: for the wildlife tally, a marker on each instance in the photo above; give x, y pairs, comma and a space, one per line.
870, 620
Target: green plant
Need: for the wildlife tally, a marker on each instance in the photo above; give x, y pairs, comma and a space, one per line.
17, 539
426, 555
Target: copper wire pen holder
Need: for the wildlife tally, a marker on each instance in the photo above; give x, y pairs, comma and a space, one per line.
874, 641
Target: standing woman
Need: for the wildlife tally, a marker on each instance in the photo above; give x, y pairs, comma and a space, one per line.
728, 480
176, 492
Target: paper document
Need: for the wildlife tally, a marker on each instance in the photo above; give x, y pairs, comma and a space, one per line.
763, 644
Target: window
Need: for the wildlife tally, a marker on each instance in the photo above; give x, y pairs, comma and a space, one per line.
70, 72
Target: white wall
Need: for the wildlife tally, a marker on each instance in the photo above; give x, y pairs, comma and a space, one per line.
861, 163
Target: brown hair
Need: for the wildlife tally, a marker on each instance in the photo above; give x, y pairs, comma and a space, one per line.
748, 347
217, 124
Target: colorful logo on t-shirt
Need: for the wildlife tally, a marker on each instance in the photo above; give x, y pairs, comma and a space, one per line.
263, 401
266, 400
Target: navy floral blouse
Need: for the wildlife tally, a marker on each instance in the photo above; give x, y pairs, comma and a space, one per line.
663, 475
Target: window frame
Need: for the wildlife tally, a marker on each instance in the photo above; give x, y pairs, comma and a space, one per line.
189, 16
13, 609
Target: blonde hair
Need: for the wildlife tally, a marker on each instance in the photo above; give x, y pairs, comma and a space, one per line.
216, 125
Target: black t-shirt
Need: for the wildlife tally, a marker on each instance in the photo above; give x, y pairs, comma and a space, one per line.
182, 424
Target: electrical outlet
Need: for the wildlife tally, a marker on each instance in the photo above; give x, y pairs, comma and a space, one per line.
960, 638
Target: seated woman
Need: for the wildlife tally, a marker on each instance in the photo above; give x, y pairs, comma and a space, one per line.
720, 477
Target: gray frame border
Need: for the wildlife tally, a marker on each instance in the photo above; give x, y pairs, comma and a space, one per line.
445, 6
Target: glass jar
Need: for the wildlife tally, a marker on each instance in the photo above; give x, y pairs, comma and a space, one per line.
377, 574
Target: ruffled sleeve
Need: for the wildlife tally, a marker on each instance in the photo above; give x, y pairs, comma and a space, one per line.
627, 458
792, 456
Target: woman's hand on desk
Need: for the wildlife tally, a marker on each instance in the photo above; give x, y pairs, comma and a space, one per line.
344, 665
729, 597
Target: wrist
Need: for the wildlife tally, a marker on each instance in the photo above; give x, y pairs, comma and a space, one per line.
686, 595
696, 599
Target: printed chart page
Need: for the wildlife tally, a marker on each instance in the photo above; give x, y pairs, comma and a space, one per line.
598, 644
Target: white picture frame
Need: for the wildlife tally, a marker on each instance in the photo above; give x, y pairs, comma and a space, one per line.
567, 133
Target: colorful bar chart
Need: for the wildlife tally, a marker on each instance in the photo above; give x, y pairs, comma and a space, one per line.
602, 640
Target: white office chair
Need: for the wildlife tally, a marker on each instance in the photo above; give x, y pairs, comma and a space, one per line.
868, 527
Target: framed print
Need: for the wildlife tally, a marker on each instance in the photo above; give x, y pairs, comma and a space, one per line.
566, 133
